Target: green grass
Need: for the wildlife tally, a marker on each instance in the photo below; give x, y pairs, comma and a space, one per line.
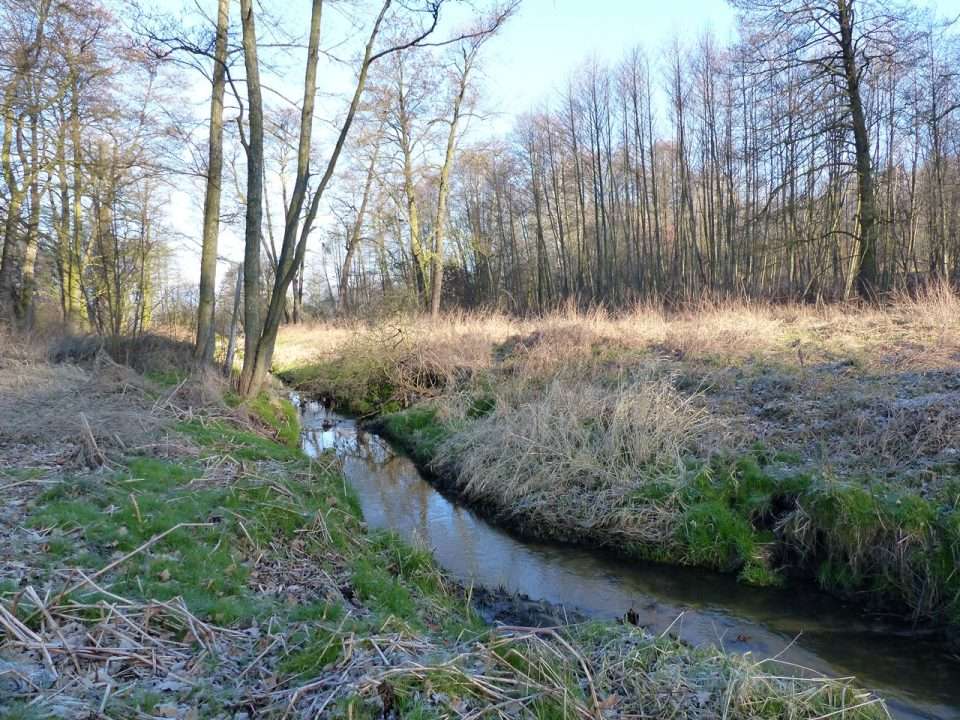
318, 647
96, 518
280, 416
278, 498
239, 444
418, 431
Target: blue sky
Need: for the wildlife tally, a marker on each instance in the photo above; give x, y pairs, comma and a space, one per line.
548, 39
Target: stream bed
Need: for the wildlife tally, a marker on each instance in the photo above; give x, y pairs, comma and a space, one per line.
917, 672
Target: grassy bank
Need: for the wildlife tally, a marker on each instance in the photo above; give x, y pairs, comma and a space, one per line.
778, 443
167, 552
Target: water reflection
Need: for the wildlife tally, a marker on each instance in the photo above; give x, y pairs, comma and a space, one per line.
801, 627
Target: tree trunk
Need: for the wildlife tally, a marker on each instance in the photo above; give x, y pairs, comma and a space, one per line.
234, 319
439, 225
249, 383
866, 274
211, 203
354, 241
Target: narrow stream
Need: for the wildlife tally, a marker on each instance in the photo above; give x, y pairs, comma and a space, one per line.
919, 674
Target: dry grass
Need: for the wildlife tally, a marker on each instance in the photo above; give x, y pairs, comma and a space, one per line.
911, 333
843, 420
592, 673
86, 410
575, 450
79, 641
860, 389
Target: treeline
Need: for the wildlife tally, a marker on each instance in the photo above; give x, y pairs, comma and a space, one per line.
815, 158
81, 154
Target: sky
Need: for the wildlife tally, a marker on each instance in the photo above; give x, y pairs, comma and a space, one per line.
526, 66
548, 40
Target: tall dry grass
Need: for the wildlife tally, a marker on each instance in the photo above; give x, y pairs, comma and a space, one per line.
572, 455
864, 389
918, 332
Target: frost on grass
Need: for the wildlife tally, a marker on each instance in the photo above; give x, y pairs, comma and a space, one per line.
574, 453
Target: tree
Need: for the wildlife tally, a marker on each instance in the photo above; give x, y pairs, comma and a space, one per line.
23, 98
356, 228
211, 203
832, 42
260, 338
461, 73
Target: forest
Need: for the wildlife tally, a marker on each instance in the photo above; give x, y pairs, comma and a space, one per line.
351, 367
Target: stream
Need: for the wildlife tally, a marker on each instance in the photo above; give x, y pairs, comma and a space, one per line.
918, 673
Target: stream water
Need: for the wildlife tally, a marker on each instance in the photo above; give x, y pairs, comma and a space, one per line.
918, 673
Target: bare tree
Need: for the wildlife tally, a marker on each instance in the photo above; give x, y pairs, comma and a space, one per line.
835, 43
211, 203
260, 339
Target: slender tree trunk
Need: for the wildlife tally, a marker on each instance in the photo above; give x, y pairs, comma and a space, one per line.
234, 320
356, 233
866, 272
211, 204
440, 222
254, 210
